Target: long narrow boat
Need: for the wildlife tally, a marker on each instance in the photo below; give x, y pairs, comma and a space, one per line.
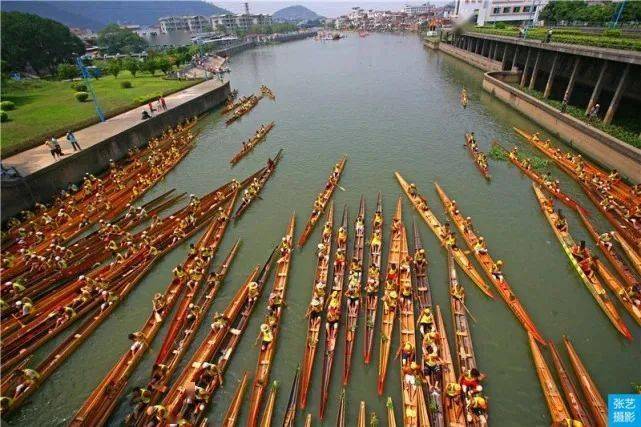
292, 402
321, 200
592, 283
231, 416
314, 312
597, 405
453, 405
432, 391
619, 189
268, 416
361, 415
536, 177
340, 418
466, 359
622, 189
308, 420
558, 411
260, 135
476, 156
353, 292
575, 404
469, 234
373, 279
257, 184
632, 254
409, 375
334, 310
271, 324
420, 204
267, 92
102, 401
623, 294
390, 298
245, 108
391, 416
231, 106
217, 348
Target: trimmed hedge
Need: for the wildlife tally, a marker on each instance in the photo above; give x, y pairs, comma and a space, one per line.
82, 96
79, 87
7, 106
126, 84
3, 116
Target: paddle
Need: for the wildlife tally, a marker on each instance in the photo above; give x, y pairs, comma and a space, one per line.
468, 311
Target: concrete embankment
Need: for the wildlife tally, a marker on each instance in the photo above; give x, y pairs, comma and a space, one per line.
481, 62
598, 145
42, 178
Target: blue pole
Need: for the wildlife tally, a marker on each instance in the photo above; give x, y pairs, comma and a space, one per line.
621, 7
87, 77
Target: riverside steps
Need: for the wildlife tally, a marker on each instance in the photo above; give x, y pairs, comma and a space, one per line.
42, 176
579, 76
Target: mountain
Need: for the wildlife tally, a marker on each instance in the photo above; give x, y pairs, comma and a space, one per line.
295, 14
96, 14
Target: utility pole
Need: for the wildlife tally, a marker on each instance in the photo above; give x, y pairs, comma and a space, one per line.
618, 12
87, 78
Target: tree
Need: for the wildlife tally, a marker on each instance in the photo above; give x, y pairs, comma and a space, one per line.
30, 42
150, 65
67, 71
163, 64
114, 39
132, 65
114, 67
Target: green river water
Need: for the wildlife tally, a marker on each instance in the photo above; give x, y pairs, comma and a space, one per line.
388, 104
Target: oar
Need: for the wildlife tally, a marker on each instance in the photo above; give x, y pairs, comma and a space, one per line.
342, 189
468, 311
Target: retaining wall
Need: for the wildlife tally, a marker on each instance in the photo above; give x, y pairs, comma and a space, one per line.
478, 61
604, 148
43, 184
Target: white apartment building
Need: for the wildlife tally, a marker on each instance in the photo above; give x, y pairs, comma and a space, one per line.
231, 22
490, 11
418, 10
193, 24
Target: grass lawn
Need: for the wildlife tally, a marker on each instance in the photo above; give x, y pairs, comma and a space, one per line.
46, 107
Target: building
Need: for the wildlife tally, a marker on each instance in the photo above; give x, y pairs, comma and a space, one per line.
193, 24
484, 12
230, 22
418, 10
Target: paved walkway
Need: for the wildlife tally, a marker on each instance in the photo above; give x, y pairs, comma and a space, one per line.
35, 159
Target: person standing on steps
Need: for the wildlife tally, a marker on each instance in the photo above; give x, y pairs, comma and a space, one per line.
73, 141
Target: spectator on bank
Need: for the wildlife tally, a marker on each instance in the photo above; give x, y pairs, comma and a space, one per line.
151, 107
163, 103
145, 115
594, 112
548, 36
57, 145
52, 148
10, 171
73, 141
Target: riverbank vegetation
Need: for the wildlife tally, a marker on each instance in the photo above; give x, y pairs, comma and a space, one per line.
627, 129
607, 38
48, 107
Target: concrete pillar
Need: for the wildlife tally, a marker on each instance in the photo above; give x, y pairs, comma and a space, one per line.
535, 70
483, 47
504, 60
597, 88
614, 104
570, 87
477, 46
516, 54
496, 50
548, 86
527, 64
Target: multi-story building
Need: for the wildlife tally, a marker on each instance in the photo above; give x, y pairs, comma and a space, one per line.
418, 10
230, 22
194, 24
484, 12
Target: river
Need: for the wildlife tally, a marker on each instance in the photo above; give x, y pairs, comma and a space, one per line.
388, 104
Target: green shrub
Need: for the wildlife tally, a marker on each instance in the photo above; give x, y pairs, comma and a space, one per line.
126, 84
611, 32
499, 25
79, 87
67, 71
82, 96
3, 116
7, 106
146, 98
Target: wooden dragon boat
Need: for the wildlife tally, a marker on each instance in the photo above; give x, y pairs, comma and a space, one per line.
258, 183
592, 283
244, 108
275, 311
420, 204
362, 417
334, 310
597, 405
231, 416
476, 156
373, 279
260, 135
353, 292
632, 254
292, 402
391, 295
322, 200
391, 417
315, 307
340, 418
266, 421
469, 234
572, 397
267, 92
558, 411
453, 404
